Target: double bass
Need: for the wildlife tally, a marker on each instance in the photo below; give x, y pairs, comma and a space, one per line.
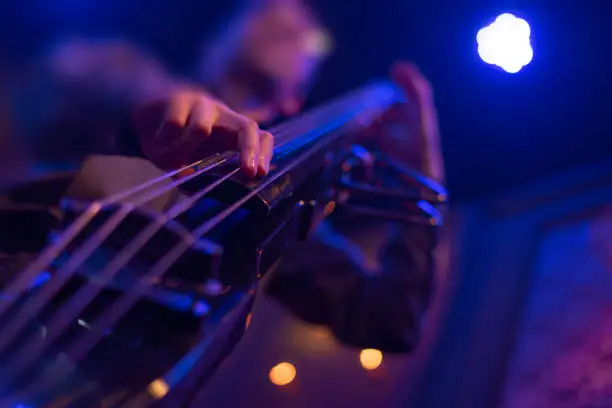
128, 290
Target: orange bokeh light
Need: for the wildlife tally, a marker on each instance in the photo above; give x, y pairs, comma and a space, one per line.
282, 374
370, 359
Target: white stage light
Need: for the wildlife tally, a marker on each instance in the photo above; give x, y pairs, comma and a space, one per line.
506, 43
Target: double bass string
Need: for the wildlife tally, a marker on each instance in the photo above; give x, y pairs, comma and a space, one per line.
122, 305
18, 286
81, 346
15, 325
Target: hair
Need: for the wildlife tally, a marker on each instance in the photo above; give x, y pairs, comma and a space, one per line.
219, 50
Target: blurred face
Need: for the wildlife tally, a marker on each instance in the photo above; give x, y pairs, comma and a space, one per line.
283, 44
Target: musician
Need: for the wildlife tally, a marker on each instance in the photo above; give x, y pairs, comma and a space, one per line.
260, 68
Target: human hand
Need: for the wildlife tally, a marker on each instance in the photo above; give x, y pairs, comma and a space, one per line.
409, 132
177, 129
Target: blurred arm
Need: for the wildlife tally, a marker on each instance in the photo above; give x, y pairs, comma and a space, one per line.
409, 132
75, 100
111, 98
417, 146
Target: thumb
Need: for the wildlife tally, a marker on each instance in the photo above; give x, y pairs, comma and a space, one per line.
412, 82
403, 73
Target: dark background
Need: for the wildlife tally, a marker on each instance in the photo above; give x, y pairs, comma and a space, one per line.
498, 129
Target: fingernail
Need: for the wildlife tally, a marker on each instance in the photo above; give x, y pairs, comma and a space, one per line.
264, 165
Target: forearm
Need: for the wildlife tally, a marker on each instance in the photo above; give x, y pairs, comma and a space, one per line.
115, 70
79, 95
418, 149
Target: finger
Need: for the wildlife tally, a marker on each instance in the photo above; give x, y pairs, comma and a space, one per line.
201, 119
408, 77
248, 145
402, 74
175, 118
265, 154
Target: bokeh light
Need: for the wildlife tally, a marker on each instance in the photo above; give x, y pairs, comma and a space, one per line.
282, 374
506, 43
159, 388
370, 359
